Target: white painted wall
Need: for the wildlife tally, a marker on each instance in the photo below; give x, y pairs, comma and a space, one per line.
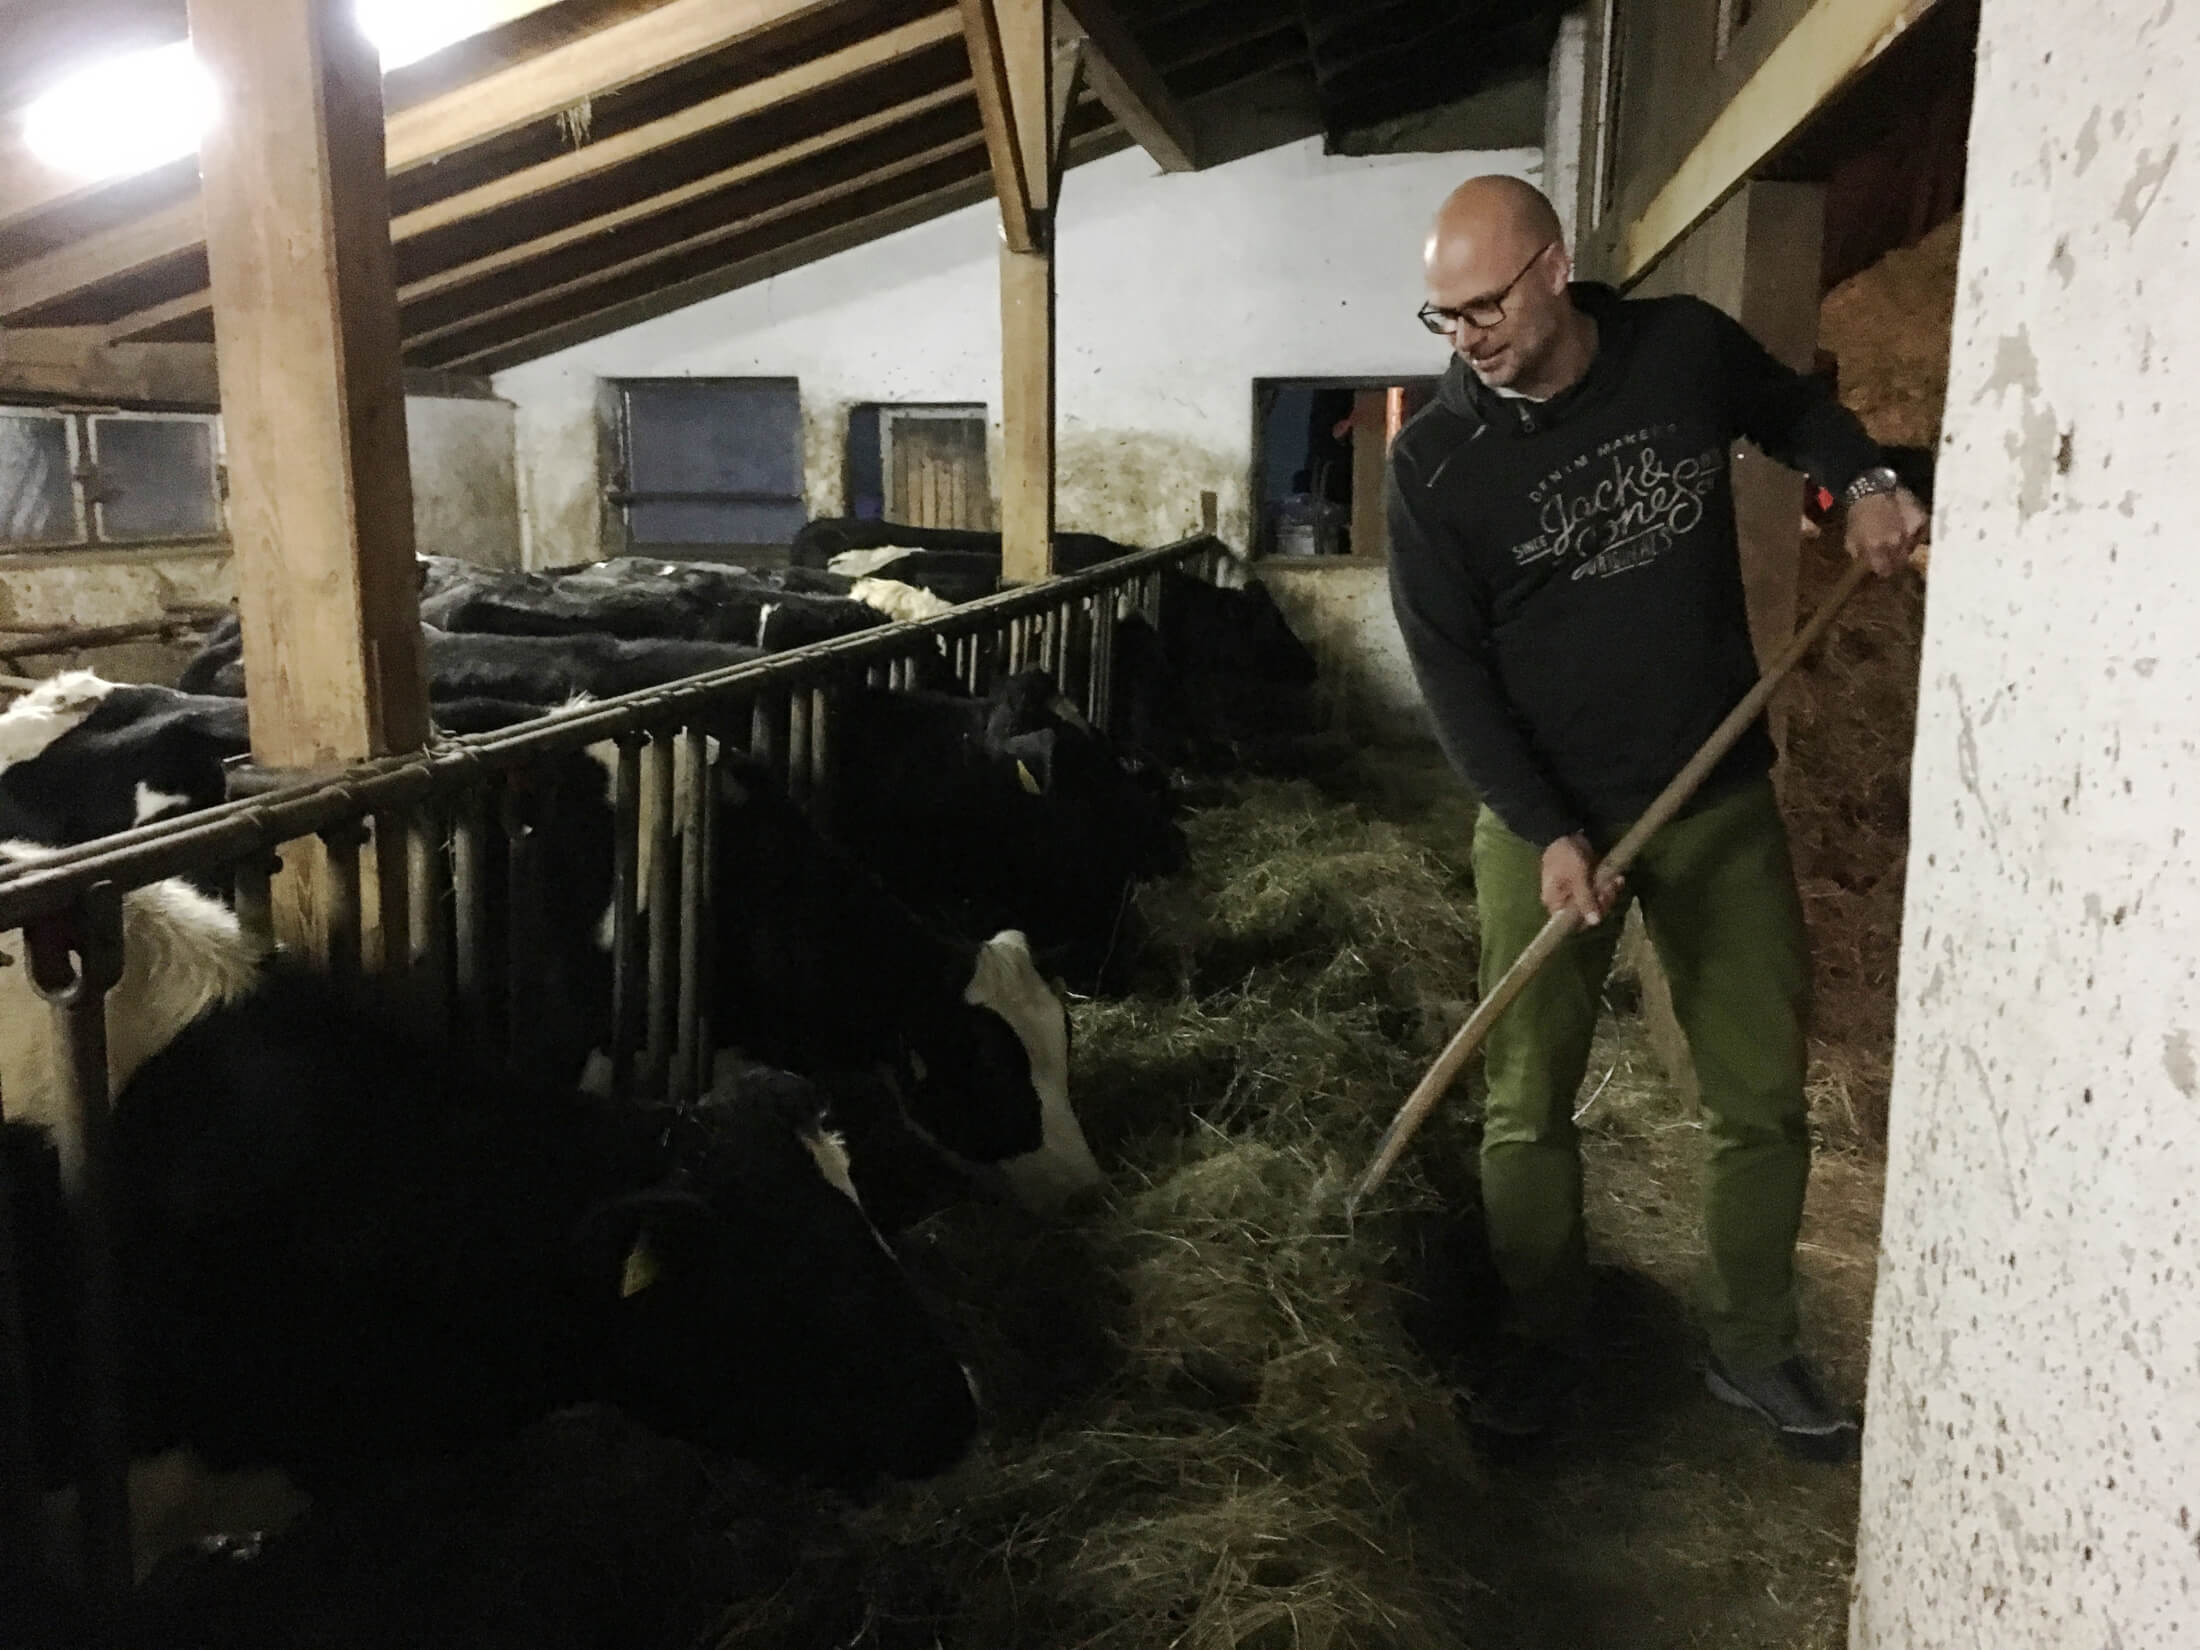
465, 487
2032, 1458
1176, 292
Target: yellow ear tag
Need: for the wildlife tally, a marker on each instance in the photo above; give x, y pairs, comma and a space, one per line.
641, 1268
1023, 773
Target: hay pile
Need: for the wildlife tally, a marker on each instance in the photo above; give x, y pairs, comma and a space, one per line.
1210, 1428
1852, 710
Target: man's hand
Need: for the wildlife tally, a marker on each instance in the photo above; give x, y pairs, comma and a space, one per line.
1569, 881
1884, 528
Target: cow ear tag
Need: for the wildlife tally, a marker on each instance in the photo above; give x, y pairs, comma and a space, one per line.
1024, 774
641, 1268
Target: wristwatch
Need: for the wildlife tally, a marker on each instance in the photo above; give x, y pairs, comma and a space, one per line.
1877, 479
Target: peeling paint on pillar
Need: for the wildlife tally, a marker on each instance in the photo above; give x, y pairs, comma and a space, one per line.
2032, 1453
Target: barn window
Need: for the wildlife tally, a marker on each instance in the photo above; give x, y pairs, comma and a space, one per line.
70, 479
923, 464
711, 468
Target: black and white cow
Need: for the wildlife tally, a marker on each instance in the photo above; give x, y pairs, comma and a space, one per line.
820, 541
81, 757
338, 1248
952, 575
819, 969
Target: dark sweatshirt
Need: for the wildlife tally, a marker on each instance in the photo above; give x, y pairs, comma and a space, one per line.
1566, 573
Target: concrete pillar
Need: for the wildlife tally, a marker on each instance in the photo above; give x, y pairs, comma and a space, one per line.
2032, 1457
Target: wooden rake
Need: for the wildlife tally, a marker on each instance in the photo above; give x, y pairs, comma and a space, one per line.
1562, 926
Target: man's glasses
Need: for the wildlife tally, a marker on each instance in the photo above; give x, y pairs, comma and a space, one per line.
1484, 312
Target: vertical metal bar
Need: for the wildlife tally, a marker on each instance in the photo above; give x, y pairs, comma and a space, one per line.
659, 816
627, 963
393, 905
1101, 713
342, 843
428, 969
252, 879
1149, 597
20, 1522
521, 803
768, 735
821, 757
75, 960
798, 745
877, 674
689, 1058
470, 911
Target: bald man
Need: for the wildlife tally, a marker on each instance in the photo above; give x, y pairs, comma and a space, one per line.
1567, 578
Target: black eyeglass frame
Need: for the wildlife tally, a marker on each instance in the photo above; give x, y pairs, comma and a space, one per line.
1441, 321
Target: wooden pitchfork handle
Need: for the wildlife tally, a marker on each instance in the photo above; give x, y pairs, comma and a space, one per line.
1564, 924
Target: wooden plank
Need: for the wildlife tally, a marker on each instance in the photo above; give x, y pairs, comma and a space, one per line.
1027, 416
1132, 88
1369, 453
997, 109
1828, 46
29, 188
536, 88
1069, 80
521, 185
1027, 48
78, 364
312, 397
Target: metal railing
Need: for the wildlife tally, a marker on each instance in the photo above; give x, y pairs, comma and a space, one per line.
408, 912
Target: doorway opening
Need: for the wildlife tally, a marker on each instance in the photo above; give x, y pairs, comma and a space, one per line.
1319, 450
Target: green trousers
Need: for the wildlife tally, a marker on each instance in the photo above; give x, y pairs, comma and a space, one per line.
1719, 899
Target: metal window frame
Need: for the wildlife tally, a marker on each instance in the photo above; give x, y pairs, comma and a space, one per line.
92, 504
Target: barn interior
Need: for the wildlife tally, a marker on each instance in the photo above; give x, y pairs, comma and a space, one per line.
952, 346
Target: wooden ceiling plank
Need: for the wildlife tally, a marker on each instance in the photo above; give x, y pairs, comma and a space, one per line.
77, 364
1131, 87
610, 272
997, 109
596, 158
535, 88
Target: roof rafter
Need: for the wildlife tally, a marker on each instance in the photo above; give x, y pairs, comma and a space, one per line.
535, 88
1129, 85
594, 159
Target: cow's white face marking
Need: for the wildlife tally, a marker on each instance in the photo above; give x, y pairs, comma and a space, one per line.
830, 1153
861, 564
899, 601
763, 618
1008, 982
183, 954
48, 711
151, 804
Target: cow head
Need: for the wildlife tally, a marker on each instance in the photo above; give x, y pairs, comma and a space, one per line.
756, 1310
992, 1084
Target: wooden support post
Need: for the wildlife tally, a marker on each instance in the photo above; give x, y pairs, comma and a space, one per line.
1757, 259
1370, 457
305, 317
1012, 62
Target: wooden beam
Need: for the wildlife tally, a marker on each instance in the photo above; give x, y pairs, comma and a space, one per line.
684, 248
595, 158
1829, 45
747, 266
313, 402
536, 88
1132, 88
997, 109
1370, 456
29, 188
1069, 80
78, 364
1025, 32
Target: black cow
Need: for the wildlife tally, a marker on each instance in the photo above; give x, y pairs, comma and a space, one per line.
338, 1249
1221, 677
636, 598
1004, 813
818, 543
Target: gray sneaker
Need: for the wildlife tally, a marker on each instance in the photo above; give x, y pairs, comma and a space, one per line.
1788, 1398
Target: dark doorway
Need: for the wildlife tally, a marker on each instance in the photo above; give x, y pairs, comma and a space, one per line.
1319, 447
